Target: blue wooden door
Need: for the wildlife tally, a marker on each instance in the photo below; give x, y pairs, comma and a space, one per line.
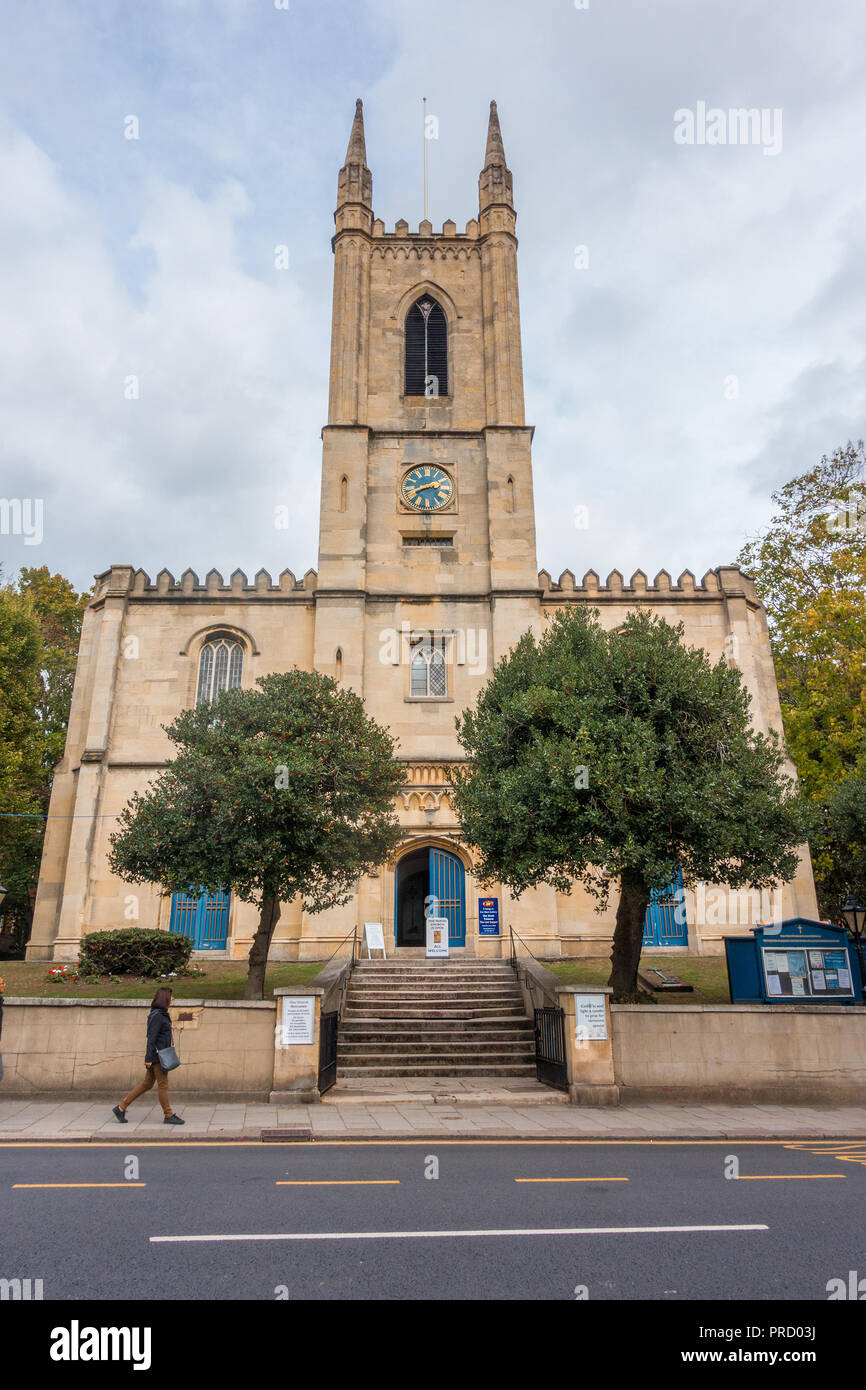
447, 886
203, 916
665, 922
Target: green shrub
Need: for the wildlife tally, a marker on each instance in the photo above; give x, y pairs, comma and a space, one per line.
135, 951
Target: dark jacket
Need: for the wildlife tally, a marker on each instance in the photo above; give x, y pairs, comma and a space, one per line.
158, 1033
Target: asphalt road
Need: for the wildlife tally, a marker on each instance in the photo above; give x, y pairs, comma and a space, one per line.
784, 1232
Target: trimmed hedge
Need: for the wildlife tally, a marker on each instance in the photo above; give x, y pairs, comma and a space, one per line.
134, 951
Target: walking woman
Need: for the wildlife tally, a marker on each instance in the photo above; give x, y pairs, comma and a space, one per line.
158, 1037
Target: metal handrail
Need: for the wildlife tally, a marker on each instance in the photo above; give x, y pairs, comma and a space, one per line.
351, 963
348, 972
354, 935
515, 965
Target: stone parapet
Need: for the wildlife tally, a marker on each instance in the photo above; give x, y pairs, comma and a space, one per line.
727, 580
140, 585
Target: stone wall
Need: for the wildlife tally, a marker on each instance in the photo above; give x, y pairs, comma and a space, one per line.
780, 1053
95, 1047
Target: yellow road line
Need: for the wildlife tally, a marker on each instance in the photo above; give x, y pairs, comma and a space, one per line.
827, 1146
571, 1179
79, 1184
778, 1177
340, 1182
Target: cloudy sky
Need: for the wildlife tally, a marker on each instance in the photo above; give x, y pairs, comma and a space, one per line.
711, 348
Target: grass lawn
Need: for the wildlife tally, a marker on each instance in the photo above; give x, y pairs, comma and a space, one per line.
221, 980
226, 979
708, 974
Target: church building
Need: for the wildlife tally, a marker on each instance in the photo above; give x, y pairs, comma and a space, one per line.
427, 575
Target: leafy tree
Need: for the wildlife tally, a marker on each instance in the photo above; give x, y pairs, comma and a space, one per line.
281, 791
20, 750
59, 610
809, 568
845, 841
596, 756
35, 719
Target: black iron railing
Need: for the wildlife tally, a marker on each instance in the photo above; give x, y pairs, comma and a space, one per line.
328, 1031
329, 1023
551, 1066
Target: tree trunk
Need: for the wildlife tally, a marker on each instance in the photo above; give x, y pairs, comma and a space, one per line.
628, 940
268, 918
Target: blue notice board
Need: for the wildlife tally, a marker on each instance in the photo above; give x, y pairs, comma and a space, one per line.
488, 916
793, 962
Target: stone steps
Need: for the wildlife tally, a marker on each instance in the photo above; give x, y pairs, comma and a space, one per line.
458, 1032
420, 1014
434, 1019
356, 1054
368, 1068
440, 970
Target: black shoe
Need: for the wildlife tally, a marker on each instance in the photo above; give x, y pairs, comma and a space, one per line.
172, 1120
120, 1115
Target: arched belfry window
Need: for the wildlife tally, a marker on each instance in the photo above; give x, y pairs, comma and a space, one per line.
426, 349
219, 667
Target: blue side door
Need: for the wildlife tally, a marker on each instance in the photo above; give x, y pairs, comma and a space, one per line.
448, 887
204, 917
665, 922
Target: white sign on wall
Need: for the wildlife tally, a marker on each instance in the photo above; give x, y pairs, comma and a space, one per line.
437, 936
590, 1017
298, 1020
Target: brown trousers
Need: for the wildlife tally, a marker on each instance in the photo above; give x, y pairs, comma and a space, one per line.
154, 1073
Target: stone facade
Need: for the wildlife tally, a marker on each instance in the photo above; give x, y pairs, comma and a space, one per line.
458, 580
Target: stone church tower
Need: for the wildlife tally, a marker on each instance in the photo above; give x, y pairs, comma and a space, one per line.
427, 575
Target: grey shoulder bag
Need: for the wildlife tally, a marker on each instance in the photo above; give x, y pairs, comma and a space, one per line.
167, 1058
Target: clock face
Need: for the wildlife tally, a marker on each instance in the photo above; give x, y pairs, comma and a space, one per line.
427, 488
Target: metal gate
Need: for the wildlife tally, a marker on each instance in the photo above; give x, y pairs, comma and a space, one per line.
328, 1051
550, 1065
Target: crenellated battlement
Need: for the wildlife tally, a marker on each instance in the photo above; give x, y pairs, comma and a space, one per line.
425, 231
725, 579
123, 579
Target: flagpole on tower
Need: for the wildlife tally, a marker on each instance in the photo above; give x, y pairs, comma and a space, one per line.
425, 158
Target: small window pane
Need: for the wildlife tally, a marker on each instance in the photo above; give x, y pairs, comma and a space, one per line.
438, 674
419, 673
220, 669
205, 672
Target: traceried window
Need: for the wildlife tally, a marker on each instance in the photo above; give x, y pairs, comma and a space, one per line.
219, 667
426, 349
429, 673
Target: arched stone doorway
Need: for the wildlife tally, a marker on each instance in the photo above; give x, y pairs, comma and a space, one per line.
429, 872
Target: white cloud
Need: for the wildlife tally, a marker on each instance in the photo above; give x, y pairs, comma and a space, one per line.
188, 471
155, 258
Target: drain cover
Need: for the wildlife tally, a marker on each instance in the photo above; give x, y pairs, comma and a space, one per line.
286, 1136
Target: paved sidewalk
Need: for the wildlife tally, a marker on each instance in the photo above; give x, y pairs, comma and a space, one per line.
422, 1117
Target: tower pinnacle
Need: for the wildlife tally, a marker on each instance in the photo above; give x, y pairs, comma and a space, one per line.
495, 184
495, 151
355, 184
357, 151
